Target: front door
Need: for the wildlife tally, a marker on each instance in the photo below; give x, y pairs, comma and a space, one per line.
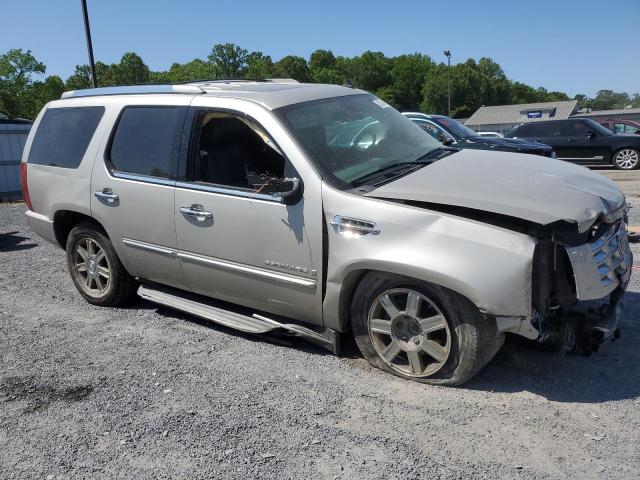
132, 187
584, 145
237, 243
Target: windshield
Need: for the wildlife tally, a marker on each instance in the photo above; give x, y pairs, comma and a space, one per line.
454, 127
352, 137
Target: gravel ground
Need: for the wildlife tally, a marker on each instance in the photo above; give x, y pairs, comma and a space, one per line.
142, 392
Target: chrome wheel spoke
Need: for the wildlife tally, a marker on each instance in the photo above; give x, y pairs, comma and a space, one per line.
89, 281
415, 361
82, 252
435, 350
103, 271
413, 304
81, 267
99, 282
389, 306
433, 324
391, 351
379, 325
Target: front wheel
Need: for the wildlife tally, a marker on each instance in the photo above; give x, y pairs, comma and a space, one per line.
421, 331
626, 159
95, 267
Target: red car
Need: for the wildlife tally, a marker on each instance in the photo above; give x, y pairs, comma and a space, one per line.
621, 126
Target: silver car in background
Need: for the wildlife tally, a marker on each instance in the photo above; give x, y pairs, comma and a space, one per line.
318, 210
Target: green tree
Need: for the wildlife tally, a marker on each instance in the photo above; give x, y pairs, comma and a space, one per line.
259, 66
229, 60
17, 68
294, 67
408, 76
131, 70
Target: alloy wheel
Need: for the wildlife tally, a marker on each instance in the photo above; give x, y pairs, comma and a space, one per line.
409, 332
91, 267
627, 158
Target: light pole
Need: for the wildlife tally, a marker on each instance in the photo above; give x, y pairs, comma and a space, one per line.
87, 32
448, 55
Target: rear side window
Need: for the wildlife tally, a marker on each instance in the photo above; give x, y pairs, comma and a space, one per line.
547, 129
64, 135
145, 141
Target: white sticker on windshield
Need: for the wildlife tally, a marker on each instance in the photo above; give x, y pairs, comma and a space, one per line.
381, 103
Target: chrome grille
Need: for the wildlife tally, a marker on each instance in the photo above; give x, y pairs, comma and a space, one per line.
609, 253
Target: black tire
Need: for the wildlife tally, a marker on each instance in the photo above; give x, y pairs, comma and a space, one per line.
614, 158
473, 339
120, 286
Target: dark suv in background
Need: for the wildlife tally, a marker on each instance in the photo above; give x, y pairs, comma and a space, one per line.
583, 141
451, 132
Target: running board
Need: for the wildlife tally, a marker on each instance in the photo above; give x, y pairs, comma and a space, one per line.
255, 324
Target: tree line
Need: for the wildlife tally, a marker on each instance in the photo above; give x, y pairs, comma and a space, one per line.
408, 82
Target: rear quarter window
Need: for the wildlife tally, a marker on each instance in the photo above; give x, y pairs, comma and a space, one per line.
63, 136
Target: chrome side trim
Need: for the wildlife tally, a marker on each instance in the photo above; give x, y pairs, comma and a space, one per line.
150, 247
597, 157
227, 191
354, 226
238, 267
142, 178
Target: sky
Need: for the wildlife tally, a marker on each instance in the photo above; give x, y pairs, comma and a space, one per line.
575, 46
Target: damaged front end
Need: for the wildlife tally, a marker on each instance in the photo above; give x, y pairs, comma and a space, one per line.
579, 281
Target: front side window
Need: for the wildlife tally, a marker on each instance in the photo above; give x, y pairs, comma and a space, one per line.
145, 141
64, 135
625, 128
430, 128
233, 151
351, 137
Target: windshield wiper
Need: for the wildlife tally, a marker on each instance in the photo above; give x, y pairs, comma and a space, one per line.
429, 157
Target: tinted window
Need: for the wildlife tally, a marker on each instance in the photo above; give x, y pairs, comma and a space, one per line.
63, 136
624, 128
521, 131
547, 129
428, 127
145, 140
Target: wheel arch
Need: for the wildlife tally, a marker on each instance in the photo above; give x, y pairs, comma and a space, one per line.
65, 220
340, 319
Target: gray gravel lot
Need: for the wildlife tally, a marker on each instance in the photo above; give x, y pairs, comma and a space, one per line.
143, 392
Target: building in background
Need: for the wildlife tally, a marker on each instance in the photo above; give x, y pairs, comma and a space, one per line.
13, 135
501, 118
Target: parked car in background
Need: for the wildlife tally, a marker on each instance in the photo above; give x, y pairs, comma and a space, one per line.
319, 210
490, 134
583, 141
451, 132
621, 126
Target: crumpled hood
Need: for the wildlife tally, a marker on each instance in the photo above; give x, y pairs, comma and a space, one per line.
530, 187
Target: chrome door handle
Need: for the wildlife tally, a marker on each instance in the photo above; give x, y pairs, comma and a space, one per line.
108, 195
197, 212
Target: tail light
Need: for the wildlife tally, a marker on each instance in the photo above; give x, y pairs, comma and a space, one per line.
25, 185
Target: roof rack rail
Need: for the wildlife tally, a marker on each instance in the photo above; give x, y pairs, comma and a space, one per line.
134, 90
238, 80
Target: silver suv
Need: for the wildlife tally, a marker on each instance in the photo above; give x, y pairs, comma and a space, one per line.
315, 210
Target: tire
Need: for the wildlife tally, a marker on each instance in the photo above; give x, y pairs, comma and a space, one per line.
626, 159
95, 268
428, 315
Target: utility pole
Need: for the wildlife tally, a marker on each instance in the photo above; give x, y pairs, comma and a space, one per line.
87, 32
448, 55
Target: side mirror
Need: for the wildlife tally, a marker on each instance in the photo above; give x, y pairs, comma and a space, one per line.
287, 189
445, 140
591, 134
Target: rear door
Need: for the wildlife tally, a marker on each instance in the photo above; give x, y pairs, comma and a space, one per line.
236, 243
133, 185
550, 133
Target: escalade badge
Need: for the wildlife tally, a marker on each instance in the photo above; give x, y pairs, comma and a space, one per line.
293, 268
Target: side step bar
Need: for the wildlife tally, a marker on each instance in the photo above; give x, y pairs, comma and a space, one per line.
214, 311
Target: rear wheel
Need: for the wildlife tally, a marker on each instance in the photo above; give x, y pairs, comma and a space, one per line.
626, 159
95, 267
421, 331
